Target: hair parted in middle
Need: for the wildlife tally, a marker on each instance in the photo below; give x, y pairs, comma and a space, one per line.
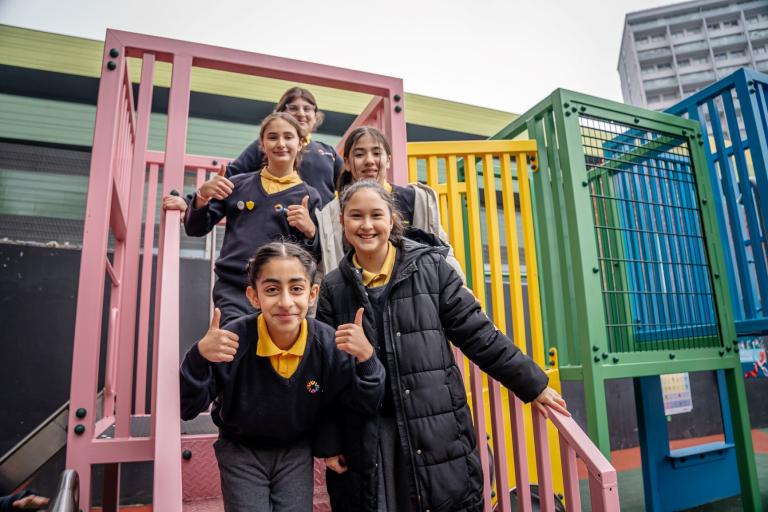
288, 118
345, 177
272, 250
398, 227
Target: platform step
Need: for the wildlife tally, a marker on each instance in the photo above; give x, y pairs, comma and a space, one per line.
209, 505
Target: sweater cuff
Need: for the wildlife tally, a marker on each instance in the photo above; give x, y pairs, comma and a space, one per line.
367, 368
195, 360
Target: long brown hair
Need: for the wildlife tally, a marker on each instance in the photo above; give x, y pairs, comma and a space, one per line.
345, 177
288, 118
398, 228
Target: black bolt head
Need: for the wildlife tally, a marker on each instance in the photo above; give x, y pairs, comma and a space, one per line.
186, 454
111, 65
114, 53
81, 412
79, 429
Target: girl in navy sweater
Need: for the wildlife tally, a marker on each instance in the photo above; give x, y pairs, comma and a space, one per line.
320, 166
273, 203
270, 376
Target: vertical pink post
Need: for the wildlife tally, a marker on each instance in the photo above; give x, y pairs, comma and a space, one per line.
522, 480
129, 288
481, 429
85, 360
394, 121
167, 474
570, 474
543, 464
499, 447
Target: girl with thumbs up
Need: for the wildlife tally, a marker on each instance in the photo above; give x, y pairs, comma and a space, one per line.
271, 204
419, 452
271, 376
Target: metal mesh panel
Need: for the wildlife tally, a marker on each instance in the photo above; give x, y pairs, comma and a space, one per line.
657, 293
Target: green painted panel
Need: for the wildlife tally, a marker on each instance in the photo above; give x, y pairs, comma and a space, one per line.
53, 195
38, 120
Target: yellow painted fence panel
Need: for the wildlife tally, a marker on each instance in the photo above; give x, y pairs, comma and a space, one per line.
485, 208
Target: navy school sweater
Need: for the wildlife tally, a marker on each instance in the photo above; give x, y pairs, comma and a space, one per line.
252, 221
320, 166
255, 406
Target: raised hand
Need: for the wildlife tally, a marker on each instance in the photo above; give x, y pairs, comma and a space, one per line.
218, 187
218, 345
351, 339
298, 217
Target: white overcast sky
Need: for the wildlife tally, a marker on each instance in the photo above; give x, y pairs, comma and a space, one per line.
503, 54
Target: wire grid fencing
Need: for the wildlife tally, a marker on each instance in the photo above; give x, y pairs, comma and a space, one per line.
656, 287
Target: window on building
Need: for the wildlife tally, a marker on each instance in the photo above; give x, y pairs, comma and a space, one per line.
684, 63
759, 49
730, 23
721, 57
654, 98
663, 66
648, 69
658, 37
700, 60
739, 53
752, 20
678, 34
713, 25
641, 38
694, 30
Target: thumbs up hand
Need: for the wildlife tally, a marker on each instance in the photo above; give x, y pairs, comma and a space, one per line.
298, 217
218, 187
351, 339
218, 345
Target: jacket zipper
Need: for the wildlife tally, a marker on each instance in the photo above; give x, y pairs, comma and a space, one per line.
402, 400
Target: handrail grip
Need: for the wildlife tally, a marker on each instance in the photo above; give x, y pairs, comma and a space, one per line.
593, 459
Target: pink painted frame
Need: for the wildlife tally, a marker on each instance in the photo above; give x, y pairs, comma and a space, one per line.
116, 196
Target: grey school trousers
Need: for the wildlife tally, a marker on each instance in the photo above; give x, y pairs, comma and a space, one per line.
265, 480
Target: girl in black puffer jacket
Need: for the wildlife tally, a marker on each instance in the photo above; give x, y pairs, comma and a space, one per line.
419, 452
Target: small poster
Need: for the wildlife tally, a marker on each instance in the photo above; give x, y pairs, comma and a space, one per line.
676, 389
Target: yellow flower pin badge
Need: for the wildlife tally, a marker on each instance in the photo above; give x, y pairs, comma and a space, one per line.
250, 205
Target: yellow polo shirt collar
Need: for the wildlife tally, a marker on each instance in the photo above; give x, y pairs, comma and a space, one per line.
272, 184
372, 279
284, 362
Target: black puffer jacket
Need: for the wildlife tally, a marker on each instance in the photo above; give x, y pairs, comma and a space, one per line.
427, 305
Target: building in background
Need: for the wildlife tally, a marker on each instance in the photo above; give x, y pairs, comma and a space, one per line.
670, 52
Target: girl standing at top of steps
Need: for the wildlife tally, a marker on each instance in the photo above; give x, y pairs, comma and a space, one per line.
368, 155
320, 165
270, 375
273, 203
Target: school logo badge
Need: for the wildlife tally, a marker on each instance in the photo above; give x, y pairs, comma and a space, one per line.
250, 205
313, 386
240, 205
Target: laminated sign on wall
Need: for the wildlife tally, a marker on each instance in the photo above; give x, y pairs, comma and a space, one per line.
676, 388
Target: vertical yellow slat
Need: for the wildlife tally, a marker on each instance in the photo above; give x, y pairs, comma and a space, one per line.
513, 254
413, 169
494, 244
456, 227
531, 265
432, 179
475, 242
